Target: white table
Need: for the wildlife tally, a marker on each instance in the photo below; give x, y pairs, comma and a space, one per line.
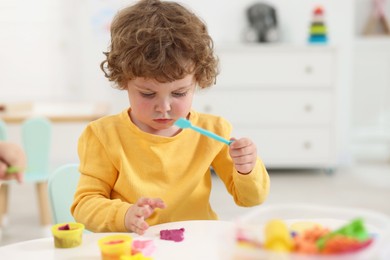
207, 240
203, 240
55, 111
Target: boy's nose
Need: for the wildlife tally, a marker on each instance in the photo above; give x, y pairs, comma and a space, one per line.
163, 105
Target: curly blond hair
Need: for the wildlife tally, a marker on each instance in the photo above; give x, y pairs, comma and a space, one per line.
159, 40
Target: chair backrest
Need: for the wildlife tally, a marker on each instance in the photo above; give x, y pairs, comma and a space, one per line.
61, 187
3, 131
36, 138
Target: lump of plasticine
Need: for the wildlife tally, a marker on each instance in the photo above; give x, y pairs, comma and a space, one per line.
146, 247
176, 235
277, 236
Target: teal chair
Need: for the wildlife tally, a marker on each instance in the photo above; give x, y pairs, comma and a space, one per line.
36, 138
3, 201
3, 131
62, 186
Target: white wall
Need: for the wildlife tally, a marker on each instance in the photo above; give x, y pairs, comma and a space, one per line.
370, 95
29, 33
52, 49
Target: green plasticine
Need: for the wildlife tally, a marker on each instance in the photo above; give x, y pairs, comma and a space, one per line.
12, 169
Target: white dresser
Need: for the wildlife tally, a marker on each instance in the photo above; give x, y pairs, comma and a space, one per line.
282, 97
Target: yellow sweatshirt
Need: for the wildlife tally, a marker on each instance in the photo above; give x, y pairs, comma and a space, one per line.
119, 164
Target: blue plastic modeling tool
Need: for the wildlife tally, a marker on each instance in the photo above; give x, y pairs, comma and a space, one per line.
184, 123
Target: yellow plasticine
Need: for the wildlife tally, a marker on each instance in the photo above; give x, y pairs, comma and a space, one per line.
244, 244
115, 246
277, 236
138, 256
67, 238
278, 246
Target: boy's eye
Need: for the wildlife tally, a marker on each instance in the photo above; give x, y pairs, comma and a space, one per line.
147, 94
179, 94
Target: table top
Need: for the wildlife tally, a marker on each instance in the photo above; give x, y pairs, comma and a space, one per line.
54, 111
203, 239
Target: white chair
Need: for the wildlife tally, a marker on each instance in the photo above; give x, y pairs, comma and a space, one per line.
62, 186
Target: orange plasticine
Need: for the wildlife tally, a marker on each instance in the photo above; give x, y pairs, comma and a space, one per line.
305, 243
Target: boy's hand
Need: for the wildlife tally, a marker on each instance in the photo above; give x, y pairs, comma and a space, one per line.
141, 210
244, 154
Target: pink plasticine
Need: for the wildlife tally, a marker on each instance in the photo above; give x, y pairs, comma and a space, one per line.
176, 235
145, 247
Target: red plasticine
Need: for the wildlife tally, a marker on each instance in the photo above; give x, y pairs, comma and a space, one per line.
64, 227
176, 235
113, 242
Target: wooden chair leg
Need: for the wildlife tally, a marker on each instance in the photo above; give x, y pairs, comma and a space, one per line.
43, 201
3, 201
385, 24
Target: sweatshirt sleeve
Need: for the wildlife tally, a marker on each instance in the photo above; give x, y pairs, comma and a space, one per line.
92, 204
247, 189
250, 189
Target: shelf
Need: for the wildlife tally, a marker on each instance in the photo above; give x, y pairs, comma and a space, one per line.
370, 41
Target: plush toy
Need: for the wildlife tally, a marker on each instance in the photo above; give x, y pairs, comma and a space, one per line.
263, 23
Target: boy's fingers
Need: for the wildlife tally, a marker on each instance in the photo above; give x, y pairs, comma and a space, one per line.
142, 201
142, 211
153, 203
139, 226
158, 203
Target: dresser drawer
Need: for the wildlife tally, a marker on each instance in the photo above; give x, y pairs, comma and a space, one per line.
263, 67
303, 147
283, 97
268, 108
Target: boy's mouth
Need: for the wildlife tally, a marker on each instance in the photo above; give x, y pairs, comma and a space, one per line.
163, 120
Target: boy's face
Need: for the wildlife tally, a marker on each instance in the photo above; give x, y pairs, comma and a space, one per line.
156, 106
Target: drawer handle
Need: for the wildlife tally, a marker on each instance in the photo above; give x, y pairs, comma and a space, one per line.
307, 145
309, 69
308, 108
